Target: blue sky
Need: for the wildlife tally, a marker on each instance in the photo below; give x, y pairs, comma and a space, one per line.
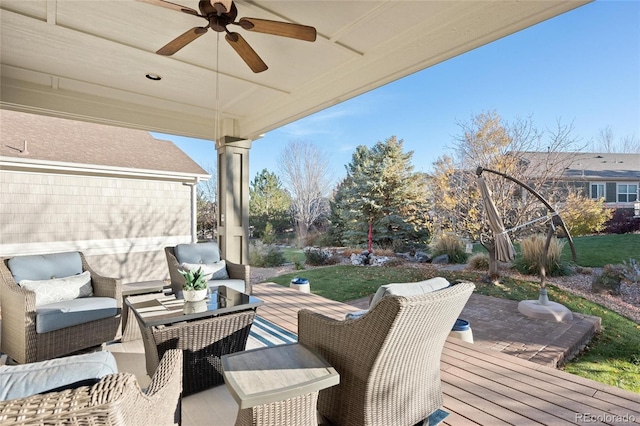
581, 67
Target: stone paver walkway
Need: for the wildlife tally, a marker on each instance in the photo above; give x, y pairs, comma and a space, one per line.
497, 325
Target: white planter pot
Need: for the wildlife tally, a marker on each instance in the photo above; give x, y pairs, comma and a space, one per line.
194, 295
194, 307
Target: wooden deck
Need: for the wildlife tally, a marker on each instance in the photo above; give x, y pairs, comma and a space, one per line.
486, 387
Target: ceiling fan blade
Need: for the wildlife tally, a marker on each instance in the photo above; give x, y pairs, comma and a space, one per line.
246, 52
222, 6
172, 6
284, 29
181, 41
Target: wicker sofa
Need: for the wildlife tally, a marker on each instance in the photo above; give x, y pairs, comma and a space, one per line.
388, 359
33, 331
116, 399
235, 275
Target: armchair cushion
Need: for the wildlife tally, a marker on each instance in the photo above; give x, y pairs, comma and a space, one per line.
216, 271
402, 289
202, 253
19, 381
409, 289
59, 289
45, 266
56, 316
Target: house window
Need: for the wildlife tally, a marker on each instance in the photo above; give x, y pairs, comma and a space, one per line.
597, 190
627, 193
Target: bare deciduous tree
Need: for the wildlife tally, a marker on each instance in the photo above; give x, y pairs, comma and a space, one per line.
606, 142
207, 204
304, 170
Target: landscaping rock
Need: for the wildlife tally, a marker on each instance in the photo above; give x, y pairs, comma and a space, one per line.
422, 257
442, 259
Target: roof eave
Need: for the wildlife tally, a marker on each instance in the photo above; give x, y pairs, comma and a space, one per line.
31, 165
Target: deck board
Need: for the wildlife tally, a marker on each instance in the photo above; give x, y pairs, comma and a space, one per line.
574, 394
482, 386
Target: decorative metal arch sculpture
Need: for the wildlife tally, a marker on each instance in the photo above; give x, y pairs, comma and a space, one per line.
555, 217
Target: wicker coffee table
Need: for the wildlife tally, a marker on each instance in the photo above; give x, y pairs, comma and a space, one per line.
151, 290
204, 331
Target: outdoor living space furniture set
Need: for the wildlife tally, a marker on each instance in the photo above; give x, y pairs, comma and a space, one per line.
387, 367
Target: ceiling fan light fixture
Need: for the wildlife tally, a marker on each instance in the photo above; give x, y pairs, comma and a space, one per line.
154, 77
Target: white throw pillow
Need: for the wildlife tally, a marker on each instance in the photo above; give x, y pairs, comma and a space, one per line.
60, 289
213, 271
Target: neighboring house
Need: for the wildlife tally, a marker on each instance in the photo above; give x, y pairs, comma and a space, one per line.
118, 195
612, 176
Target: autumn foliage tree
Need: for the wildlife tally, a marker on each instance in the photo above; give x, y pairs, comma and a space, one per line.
490, 142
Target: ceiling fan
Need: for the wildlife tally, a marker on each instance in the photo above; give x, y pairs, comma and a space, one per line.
219, 14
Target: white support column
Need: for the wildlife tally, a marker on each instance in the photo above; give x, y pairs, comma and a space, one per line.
194, 212
233, 198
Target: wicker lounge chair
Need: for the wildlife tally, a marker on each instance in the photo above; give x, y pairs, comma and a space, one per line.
234, 270
115, 400
22, 343
388, 359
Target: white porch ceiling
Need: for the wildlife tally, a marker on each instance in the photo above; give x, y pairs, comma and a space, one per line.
87, 60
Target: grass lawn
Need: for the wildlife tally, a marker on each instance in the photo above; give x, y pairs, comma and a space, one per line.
613, 357
292, 254
598, 250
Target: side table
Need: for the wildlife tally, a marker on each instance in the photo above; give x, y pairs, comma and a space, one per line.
277, 385
150, 289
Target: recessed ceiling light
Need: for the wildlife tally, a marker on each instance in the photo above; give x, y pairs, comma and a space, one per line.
154, 77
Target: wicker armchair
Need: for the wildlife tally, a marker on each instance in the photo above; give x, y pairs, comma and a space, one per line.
235, 271
388, 359
115, 400
19, 338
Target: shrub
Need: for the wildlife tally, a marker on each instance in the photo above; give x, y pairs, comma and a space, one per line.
265, 255
622, 222
452, 246
631, 270
609, 280
584, 215
269, 235
479, 261
320, 256
532, 248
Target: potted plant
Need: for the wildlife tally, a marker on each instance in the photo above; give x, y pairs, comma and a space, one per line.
195, 285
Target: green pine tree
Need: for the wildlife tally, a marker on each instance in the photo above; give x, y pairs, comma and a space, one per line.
382, 188
269, 203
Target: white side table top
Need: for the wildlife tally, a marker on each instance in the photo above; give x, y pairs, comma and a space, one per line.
266, 375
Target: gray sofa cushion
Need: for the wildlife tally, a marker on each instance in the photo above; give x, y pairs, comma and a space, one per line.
19, 381
197, 253
55, 316
45, 266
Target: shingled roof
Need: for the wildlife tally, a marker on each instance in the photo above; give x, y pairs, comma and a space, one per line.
68, 141
614, 166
